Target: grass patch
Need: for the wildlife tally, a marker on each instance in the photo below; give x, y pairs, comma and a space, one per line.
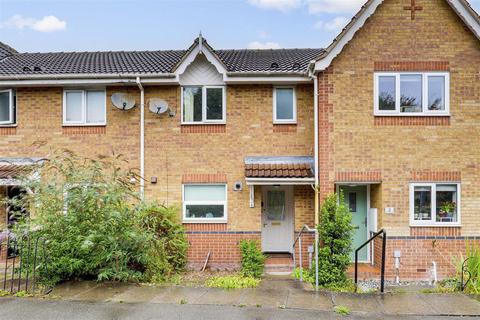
232, 282
342, 310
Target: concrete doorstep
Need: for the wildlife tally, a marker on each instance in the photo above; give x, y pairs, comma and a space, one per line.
283, 294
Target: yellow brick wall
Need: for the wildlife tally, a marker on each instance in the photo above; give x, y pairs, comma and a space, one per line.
169, 153
437, 34
248, 132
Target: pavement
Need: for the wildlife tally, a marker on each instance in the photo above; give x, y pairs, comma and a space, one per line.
273, 293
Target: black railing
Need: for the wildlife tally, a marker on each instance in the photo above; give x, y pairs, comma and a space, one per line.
463, 284
22, 259
382, 270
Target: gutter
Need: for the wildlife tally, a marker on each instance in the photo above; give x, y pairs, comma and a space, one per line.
142, 138
266, 73
85, 76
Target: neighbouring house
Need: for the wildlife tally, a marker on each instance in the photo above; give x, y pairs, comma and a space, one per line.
246, 141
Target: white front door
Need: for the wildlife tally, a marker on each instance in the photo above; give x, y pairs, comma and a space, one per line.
277, 218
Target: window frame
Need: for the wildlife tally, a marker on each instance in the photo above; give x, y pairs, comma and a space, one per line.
12, 109
204, 105
294, 96
425, 111
433, 199
83, 122
205, 220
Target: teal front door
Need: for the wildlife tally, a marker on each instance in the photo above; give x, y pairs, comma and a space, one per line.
356, 199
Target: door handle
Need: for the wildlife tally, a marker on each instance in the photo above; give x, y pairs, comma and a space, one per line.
365, 222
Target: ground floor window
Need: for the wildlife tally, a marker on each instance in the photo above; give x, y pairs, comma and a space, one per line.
434, 203
204, 202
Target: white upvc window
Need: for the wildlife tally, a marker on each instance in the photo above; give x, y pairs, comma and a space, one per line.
412, 94
7, 107
284, 105
205, 203
435, 204
203, 104
84, 107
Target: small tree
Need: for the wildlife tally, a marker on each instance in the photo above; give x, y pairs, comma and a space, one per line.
336, 236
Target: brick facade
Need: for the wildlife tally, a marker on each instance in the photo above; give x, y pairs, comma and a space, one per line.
405, 149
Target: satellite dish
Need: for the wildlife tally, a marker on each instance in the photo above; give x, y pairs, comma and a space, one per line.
123, 101
158, 106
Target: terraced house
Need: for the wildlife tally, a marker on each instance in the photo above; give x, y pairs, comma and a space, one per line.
246, 141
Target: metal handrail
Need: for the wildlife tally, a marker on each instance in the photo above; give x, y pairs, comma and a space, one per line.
299, 240
384, 247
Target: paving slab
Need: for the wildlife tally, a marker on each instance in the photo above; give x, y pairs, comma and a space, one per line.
138, 294
267, 297
103, 292
72, 288
223, 297
179, 294
361, 303
298, 299
452, 304
404, 303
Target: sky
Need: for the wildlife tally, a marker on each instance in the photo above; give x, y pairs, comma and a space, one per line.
109, 25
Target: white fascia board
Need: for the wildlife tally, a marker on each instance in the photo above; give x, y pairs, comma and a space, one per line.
76, 82
279, 181
465, 13
270, 80
325, 62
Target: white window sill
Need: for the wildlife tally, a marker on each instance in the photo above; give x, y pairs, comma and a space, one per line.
203, 221
11, 125
411, 114
285, 122
436, 225
202, 123
84, 125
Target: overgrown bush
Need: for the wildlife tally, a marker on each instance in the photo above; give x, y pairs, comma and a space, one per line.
335, 241
253, 260
96, 225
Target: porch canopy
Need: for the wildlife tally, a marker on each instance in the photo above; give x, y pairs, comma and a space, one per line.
285, 170
11, 169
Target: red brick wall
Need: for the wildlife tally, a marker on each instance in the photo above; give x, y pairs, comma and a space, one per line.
417, 254
223, 247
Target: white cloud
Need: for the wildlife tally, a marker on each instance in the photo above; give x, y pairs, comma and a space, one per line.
333, 25
334, 6
45, 24
280, 5
263, 45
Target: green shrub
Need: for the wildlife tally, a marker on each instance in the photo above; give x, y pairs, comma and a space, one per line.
472, 269
335, 241
96, 225
342, 310
253, 260
232, 282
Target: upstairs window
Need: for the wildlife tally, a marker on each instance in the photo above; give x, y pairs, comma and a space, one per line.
434, 204
84, 107
412, 94
203, 104
7, 107
284, 105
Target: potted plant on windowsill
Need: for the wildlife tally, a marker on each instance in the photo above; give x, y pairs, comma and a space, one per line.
446, 210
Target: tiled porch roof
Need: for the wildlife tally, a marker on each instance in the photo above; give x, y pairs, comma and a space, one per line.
279, 167
13, 168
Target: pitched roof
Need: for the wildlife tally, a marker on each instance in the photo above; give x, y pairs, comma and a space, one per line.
154, 62
286, 60
279, 167
461, 7
6, 50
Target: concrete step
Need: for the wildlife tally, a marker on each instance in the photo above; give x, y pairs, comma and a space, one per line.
279, 264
